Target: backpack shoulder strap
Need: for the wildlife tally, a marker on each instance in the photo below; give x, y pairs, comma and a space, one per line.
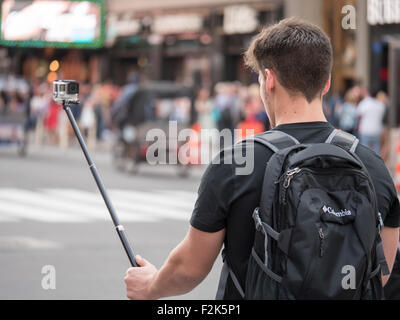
343, 139
225, 272
273, 139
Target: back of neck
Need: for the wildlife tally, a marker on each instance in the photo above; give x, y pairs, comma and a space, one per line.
298, 110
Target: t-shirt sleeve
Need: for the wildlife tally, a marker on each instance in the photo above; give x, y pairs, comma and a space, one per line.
393, 218
214, 198
388, 201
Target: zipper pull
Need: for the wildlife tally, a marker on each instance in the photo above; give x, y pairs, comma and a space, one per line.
381, 224
322, 237
289, 176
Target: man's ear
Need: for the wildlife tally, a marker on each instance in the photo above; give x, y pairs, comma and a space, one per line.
327, 86
270, 79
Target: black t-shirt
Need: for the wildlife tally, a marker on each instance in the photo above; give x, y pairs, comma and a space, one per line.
227, 200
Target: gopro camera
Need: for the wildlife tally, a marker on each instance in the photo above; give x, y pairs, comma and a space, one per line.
66, 90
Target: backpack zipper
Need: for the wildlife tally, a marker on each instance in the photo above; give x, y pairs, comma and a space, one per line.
321, 242
289, 176
286, 183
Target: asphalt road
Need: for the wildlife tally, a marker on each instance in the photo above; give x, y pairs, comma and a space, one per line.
51, 214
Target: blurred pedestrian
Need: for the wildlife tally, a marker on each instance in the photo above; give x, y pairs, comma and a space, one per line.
347, 113
99, 108
40, 102
329, 107
3, 103
371, 112
223, 104
204, 108
87, 120
253, 110
385, 143
51, 122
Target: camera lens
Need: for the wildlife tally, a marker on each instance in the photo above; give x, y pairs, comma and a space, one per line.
73, 88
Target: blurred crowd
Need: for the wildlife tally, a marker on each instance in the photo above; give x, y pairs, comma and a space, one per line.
31, 106
363, 114
229, 105
232, 106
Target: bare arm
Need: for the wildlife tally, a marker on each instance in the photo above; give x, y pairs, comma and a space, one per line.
390, 240
187, 265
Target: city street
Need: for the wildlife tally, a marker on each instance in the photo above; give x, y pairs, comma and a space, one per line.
174, 81
51, 213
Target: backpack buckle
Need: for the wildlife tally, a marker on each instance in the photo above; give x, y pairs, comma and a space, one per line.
257, 219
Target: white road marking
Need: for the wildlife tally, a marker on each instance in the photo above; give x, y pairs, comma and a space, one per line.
74, 206
129, 201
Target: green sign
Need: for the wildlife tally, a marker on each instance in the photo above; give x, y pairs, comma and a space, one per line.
53, 23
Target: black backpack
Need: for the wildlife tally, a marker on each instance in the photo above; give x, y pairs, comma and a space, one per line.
317, 225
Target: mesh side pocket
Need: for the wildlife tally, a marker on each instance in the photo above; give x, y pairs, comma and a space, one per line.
259, 286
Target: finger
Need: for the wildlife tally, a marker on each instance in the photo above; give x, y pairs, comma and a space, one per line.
141, 261
131, 269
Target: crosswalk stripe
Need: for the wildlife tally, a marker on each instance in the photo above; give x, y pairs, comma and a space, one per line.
4, 217
72, 205
29, 212
134, 204
95, 210
37, 199
47, 208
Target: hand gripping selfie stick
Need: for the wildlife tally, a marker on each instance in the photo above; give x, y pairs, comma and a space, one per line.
119, 228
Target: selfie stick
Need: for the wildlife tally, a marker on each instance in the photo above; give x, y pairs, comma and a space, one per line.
118, 226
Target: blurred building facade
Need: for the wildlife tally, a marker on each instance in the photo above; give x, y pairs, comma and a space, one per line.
186, 41
202, 42
197, 40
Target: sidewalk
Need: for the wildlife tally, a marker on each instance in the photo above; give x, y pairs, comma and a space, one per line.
103, 157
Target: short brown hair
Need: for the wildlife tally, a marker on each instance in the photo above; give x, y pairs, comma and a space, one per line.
299, 52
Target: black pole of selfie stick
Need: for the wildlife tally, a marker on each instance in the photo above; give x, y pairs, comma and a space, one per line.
118, 227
